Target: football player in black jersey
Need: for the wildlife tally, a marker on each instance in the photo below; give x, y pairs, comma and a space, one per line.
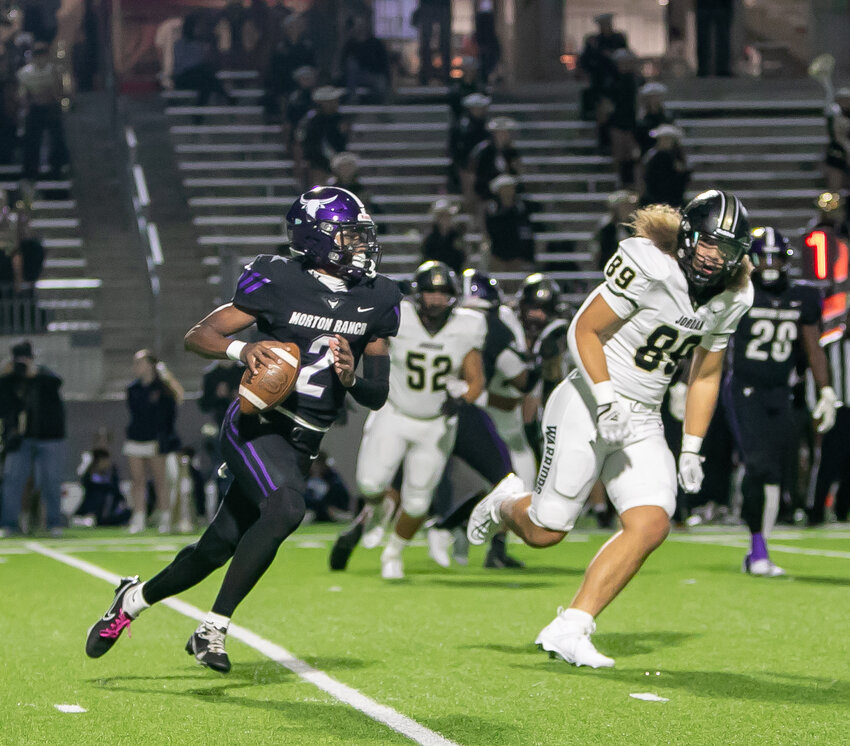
757, 393
330, 301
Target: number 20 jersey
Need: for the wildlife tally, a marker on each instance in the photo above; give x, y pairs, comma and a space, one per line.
647, 289
292, 305
764, 348
421, 363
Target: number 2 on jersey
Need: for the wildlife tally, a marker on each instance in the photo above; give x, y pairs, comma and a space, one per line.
303, 385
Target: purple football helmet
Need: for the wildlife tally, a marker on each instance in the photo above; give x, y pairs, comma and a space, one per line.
770, 253
330, 227
480, 290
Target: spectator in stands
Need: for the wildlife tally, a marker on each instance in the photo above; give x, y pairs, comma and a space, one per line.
194, 61
103, 502
152, 400
245, 28
40, 92
300, 101
466, 85
40, 19
487, 41
365, 64
623, 119
444, 243
8, 105
495, 156
21, 263
615, 226
509, 228
327, 497
666, 171
714, 26
596, 63
464, 135
652, 114
322, 134
838, 149
432, 13
293, 52
165, 39
33, 418
344, 173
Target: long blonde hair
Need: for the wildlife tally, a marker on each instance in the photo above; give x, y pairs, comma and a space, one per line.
660, 224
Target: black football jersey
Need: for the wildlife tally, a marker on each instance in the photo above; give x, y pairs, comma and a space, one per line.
499, 337
292, 305
765, 345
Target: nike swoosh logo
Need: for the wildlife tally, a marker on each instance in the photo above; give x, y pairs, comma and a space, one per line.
108, 616
363, 310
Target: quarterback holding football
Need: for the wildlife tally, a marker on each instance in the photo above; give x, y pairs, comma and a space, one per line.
330, 303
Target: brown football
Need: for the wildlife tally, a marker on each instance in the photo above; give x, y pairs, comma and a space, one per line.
272, 383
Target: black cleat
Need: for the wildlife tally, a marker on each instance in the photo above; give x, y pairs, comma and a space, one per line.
104, 633
498, 557
344, 546
207, 645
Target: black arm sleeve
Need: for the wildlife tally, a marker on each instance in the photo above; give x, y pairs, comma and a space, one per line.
373, 388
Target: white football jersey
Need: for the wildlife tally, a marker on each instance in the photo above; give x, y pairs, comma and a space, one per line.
421, 363
648, 290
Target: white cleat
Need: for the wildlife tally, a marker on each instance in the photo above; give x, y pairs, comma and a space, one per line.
570, 641
485, 519
764, 568
392, 568
377, 524
439, 545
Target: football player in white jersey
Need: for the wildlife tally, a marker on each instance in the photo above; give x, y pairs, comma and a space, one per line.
435, 361
679, 287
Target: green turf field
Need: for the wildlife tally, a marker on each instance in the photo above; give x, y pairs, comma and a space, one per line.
741, 660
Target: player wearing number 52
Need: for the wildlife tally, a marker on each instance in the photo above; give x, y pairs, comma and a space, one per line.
675, 290
783, 322
435, 365
329, 301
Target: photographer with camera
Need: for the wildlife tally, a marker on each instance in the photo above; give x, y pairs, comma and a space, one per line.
33, 439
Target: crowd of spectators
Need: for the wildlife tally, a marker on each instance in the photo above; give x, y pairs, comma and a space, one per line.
31, 138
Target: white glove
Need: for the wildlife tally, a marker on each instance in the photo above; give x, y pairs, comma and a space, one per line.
825, 409
678, 397
612, 422
690, 471
456, 388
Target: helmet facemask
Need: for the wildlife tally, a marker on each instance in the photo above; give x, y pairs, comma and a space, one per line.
355, 253
713, 262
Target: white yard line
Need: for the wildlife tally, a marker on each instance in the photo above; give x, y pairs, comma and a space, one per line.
381, 713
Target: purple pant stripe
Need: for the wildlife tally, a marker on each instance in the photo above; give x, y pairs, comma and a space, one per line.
243, 455
261, 465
